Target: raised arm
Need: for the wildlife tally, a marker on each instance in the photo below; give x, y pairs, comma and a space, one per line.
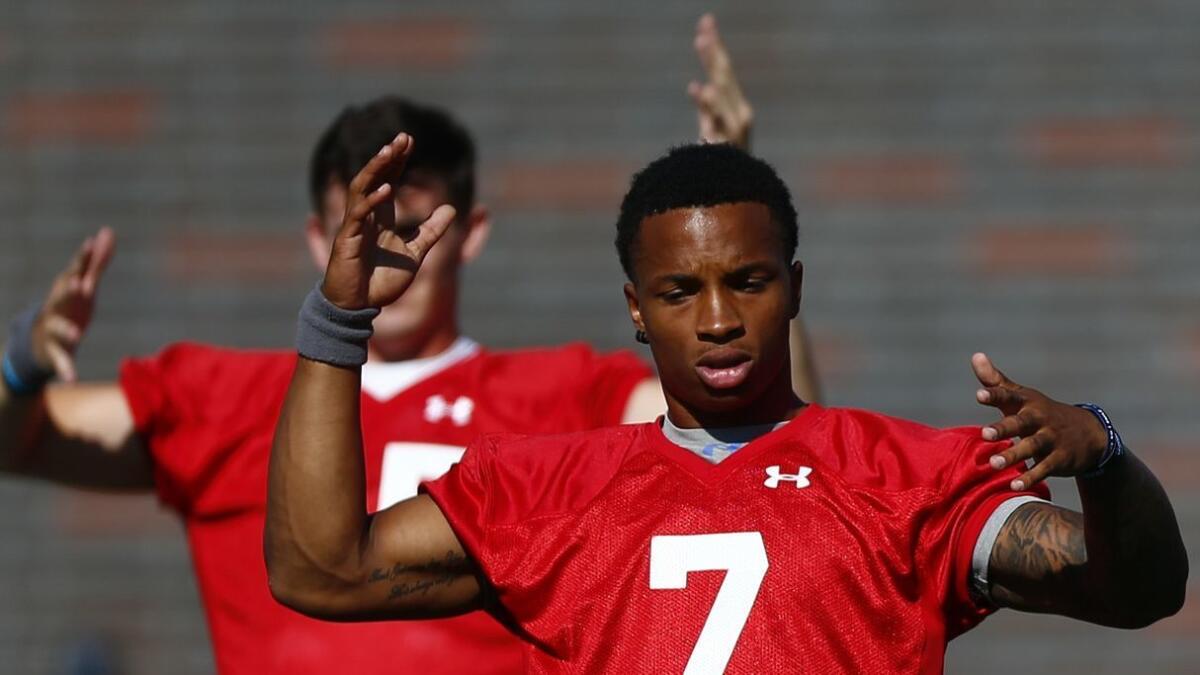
68, 433
1121, 562
326, 556
722, 111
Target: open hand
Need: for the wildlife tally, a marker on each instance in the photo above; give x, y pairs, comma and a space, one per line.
67, 312
724, 114
1062, 439
374, 258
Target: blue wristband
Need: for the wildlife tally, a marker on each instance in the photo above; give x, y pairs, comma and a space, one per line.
22, 374
1116, 447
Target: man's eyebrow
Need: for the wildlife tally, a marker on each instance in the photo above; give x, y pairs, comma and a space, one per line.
748, 268
673, 278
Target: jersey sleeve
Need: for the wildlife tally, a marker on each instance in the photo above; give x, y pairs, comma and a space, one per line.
515, 502
600, 383
160, 392
462, 496
195, 406
971, 491
480, 497
507, 492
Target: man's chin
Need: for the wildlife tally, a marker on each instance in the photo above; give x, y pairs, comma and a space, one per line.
393, 323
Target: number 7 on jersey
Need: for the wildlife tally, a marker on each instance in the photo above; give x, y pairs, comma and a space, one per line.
744, 557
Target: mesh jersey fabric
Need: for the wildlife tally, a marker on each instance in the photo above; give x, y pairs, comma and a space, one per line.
207, 416
862, 526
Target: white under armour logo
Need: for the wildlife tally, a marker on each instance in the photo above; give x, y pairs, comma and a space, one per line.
459, 412
774, 477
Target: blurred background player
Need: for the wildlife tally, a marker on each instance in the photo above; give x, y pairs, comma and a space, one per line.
193, 423
850, 541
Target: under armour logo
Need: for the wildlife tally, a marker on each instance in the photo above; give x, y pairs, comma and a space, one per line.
774, 477
459, 412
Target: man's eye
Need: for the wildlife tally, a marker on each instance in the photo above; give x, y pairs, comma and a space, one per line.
753, 284
674, 295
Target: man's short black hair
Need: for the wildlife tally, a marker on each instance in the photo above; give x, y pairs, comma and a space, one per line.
441, 146
700, 175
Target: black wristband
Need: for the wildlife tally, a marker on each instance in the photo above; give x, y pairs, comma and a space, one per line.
330, 334
1115, 449
22, 373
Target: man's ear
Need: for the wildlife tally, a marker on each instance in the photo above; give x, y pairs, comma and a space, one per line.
479, 226
797, 273
319, 246
635, 309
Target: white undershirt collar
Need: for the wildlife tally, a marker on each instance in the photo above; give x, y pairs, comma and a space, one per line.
381, 381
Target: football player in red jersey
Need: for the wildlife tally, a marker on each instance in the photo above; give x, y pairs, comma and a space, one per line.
194, 422
746, 531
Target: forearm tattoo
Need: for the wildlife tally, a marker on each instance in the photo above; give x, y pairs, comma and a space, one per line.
1040, 543
419, 579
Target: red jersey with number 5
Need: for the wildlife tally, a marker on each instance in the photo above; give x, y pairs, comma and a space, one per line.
208, 416
840, 542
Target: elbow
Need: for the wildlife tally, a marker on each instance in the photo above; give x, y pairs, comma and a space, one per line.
287, 586
302, 595
289, 594
1168, 597
1169, 600
1154, 603
301, 587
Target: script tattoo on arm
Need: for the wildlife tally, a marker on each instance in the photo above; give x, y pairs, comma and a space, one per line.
1039, 561
419, 579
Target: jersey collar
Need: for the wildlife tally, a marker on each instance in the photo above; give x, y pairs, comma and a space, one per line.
709, 473
382, 381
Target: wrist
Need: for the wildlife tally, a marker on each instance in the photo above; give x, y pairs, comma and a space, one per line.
331, 334
1113, 445
20, 369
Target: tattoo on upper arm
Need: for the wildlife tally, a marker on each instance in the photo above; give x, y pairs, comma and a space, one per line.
1039, 543
419, 579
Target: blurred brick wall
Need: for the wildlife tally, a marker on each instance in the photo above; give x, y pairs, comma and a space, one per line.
980, 175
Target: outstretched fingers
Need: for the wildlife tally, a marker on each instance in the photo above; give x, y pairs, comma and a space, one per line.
1000, 397
358, 212
987, 372
63, 362
1033, 447
371, 186
1037, 474
1023, 423
710, 49
102, 249
431, 231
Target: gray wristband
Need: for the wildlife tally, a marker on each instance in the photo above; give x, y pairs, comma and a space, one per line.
330, 334
21, 371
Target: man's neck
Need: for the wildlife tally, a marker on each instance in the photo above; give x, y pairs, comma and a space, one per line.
778, 404
392, 351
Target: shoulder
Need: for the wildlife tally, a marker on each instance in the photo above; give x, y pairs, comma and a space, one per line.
575, 447
198, 352
202, 365
550, 474
895, 453
873, 426
571, 355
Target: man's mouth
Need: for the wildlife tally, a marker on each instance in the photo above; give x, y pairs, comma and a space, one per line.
724, 368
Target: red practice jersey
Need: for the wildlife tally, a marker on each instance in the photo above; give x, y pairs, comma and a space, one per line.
208, 416
838, 543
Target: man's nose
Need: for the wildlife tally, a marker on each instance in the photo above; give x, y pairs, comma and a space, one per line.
719, 319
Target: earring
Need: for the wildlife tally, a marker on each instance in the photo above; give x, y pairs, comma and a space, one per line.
640, 336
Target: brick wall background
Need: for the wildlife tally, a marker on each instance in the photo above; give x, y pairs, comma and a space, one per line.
1019, 179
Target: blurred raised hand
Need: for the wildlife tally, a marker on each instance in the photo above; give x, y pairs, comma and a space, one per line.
67, 311
725, 116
